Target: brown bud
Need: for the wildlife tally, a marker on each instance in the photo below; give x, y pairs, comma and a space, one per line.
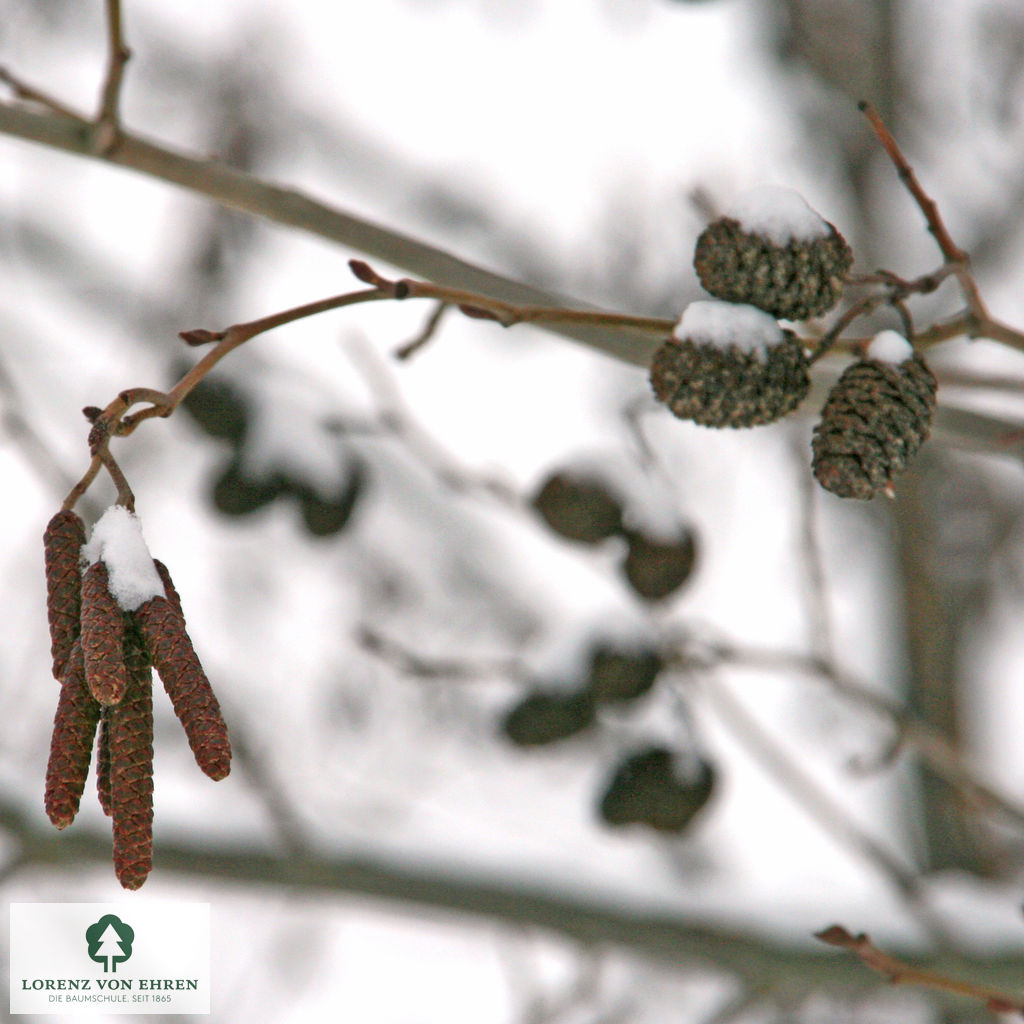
130, 727
102, 634
62, 547
170, 647
74, 727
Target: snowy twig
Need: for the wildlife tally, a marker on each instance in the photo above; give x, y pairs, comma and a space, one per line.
897, 972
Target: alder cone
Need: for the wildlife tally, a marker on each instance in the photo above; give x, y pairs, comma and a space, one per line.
326, 516
618, 674
656, 569
578, 508
800, 279
74, 729
875, 419
62, 547
647, 789
175, 659
102, 636
541, 718
218, 408
727, 387
130, 728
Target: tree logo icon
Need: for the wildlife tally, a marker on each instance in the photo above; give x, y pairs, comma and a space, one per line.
110, 942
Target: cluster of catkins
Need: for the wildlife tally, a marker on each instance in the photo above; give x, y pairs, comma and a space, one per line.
114, 615
730, 363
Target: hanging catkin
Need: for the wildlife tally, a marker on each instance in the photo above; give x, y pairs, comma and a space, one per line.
130, 727
62, 546
163, 629
74, 728
102, 634
103, 762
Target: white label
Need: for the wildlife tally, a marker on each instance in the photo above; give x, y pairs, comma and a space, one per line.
69, 958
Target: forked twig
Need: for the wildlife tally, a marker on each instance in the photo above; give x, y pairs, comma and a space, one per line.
108, 119
975, 321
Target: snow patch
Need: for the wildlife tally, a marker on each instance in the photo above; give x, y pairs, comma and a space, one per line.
779, 214
729, 325
889, 347
117, 541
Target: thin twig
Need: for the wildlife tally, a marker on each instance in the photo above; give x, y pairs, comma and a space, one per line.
426, 332
950, 250
976, 319
815, 586
31, 94
898, 972
483, 307
829, 814
108, 118
929, 744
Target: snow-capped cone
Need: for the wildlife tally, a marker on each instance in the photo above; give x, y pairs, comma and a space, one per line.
773, 251
875, 419
730, 365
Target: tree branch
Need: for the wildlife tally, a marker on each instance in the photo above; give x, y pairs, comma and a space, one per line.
75, 134
663, 935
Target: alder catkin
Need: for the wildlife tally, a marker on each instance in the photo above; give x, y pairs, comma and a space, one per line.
169, 645
102, 636
172, 594
130, 730
62, 546
74, 728
103, 762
